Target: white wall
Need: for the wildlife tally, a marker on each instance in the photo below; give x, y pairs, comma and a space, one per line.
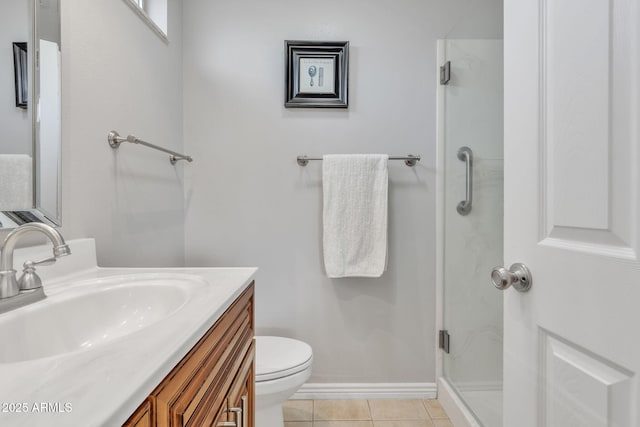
249, 203
15, 123
117, 74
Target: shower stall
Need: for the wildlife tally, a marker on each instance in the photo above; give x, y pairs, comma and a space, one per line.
470, 205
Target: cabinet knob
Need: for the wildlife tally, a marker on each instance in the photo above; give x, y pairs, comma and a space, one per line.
239, 415
227, 424
245, 410
238, 412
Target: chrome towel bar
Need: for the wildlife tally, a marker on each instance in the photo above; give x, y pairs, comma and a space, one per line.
409, 160
115, 140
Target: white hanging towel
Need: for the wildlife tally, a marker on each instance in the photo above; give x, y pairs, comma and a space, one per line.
355, 214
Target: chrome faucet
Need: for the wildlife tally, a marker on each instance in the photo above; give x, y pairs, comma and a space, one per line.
29, 282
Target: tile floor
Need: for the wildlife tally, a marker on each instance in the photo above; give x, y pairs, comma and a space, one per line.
365, 413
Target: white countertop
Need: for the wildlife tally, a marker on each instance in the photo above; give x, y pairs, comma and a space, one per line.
103, 386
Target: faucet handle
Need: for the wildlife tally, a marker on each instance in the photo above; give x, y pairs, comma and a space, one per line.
29, 279
44, 261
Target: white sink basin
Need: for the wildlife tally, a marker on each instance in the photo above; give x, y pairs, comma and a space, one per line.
92, 313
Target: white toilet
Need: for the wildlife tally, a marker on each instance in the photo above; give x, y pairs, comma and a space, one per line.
282, 366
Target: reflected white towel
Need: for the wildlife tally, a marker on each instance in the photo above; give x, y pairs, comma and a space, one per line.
15, 182
355, 214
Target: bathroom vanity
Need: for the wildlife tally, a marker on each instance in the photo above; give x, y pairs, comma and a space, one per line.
214, 384
129, 346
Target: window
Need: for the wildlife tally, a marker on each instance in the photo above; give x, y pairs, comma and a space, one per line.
153, 13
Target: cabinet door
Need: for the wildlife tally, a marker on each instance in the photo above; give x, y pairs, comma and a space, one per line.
223, 417
241, 395
141, 418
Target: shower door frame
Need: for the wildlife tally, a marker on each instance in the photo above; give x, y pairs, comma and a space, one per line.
458, 410
440, 200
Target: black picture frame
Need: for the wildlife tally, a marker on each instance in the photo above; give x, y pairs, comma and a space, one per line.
316, 74
20, 71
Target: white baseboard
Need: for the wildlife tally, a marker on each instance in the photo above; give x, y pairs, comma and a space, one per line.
320, 391
458, 413
479, 386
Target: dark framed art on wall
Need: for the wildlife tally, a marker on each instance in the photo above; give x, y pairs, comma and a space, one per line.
20, 64
316, 74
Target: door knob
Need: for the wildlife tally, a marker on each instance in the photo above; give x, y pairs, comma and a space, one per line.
518, 276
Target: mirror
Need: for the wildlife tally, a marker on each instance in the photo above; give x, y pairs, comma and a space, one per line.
30, 112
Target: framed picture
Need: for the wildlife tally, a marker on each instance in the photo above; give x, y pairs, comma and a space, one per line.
20, 66
316, 74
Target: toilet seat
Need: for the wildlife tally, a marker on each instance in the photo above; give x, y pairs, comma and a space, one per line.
279, 357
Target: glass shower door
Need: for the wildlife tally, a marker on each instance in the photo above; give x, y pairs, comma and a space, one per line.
473, 224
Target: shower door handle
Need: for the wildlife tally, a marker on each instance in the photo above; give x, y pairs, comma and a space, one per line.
466, 155
518, 276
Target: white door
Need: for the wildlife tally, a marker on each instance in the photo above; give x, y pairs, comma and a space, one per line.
572, 212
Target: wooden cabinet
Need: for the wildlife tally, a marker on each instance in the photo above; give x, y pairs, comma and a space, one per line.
213, 385
142, 416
